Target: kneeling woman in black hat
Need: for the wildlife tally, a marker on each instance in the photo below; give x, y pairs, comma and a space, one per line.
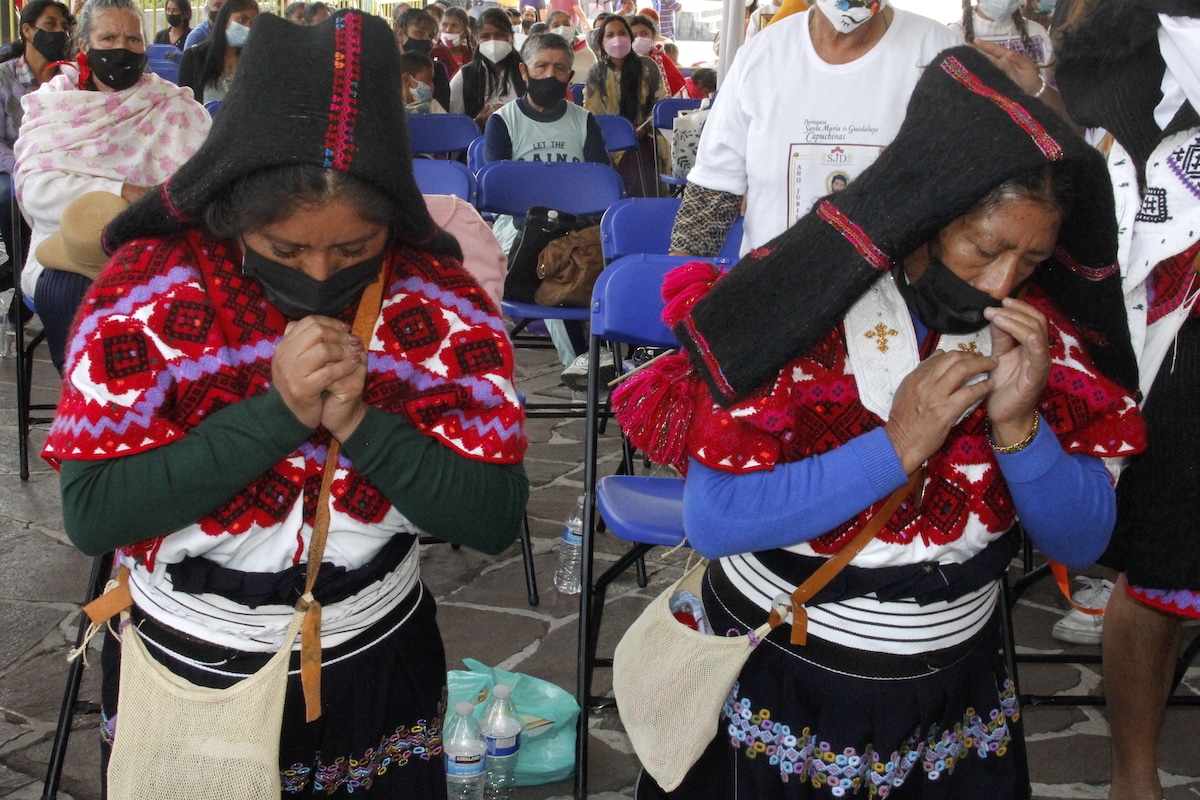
216, 367
948, 330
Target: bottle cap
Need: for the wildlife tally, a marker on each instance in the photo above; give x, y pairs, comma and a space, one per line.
464, 709
501, 692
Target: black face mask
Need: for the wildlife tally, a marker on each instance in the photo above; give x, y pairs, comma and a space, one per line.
944, 301
422, 46
546, 92
297, 295
174, 20
51, 45
118, 68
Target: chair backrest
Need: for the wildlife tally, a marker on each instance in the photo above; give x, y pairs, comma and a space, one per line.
666, 110
445, 177
440, 133
513, 187
627, 301
163, 52
577, 93
212, 107
475, 155
619, 133
643, 225
163, 61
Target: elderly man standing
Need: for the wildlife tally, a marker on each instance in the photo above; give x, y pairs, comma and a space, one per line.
543, 126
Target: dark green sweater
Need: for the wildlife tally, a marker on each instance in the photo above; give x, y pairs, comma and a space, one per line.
119, 501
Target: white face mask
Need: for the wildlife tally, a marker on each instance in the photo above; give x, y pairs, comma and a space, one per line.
495, 50
854, 14
518, 28
565, 31
451, 39
998, 9
642, 45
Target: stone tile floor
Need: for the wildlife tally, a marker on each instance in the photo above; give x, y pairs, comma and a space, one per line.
483, 614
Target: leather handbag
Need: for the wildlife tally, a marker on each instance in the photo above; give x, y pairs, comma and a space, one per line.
568, 268
671, 681
542, 226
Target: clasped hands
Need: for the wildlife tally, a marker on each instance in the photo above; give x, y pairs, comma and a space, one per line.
320, 369
934, 395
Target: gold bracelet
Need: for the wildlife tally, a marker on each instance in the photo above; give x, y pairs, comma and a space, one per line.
1008, 450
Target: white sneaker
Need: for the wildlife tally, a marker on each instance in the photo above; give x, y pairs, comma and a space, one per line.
576, 375
1080, 628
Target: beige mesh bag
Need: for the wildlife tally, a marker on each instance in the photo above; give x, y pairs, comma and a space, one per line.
671, 681
179, 741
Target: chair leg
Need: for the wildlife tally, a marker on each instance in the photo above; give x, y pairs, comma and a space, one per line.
527, 554
101, 570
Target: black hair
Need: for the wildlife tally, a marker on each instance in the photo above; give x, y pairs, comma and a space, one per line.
270, 195
214, 62
538, 27
968, 23
643, 19
31, 12
1053, 185
631, 72
509, 76
705, 77
313, 9
416, 16
412, 62
185, 8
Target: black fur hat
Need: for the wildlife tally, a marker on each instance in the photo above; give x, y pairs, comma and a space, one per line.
968, 129
327, 95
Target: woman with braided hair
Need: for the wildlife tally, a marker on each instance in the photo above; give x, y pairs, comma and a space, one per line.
1002, 22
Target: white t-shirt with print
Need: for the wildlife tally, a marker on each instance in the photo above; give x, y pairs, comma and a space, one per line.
794, 137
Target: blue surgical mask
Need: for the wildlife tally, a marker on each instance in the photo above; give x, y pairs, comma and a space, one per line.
1046, 6
237, 34
998, 10
422, 92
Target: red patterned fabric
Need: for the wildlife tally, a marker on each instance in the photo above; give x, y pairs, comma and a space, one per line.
814, 407
176, 332
1171, 282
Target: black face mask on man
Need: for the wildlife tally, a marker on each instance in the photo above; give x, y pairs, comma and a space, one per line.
944, 301
118, 68
546, 92
298, 295
51, 45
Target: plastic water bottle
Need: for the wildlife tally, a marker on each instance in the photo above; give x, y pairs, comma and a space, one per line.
502, 729
570, 550
465, 749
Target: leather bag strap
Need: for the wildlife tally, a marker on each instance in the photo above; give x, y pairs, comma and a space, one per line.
838, 561
310, 631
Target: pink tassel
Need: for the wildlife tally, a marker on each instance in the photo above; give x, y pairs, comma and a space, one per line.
653, 408
684, 286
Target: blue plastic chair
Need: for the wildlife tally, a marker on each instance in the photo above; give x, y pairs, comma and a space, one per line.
434, 134
475, 155
212, 107
643, 225
648, 512
664, 114
621, 137
445, 177
513, 187
163, 61
577, 93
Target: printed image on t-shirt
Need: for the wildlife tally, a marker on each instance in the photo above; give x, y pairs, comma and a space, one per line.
819, 169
